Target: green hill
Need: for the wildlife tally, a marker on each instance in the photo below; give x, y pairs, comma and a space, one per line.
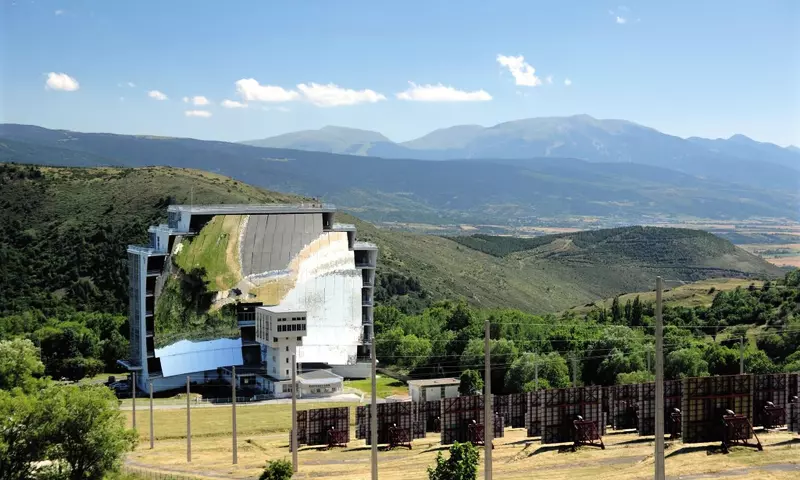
63, 234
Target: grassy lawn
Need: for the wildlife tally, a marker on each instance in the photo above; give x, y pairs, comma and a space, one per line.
210, 250
386, 386
103, 378
216, 421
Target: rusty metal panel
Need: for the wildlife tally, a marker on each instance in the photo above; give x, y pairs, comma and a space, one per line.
517, 410
321, 420
399, 415
673, 391
560, 407
501, 405
793, 414
768, 388
705, 401
533, 406
457, 414
622, 406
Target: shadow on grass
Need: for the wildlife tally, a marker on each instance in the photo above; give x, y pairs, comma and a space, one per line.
525, 441
709, 449
551, 448
791, 441
637, 440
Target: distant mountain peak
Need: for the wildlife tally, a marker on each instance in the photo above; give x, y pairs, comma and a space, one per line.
738, 137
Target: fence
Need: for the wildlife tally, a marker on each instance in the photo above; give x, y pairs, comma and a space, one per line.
622, 404
769, 388
673, 392
706, 399
560, 407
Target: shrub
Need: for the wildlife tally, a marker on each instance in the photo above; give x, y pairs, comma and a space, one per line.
277, 470
462, 464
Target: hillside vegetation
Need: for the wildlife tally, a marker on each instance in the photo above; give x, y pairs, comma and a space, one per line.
64, 232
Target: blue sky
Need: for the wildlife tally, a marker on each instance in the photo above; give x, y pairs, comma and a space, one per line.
706, 68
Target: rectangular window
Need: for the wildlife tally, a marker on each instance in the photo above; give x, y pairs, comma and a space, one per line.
299, 339
442, 392
287, 348
287, 373
287, 360
275, 339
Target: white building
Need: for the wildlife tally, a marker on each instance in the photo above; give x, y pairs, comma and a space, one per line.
280, 257
433, 389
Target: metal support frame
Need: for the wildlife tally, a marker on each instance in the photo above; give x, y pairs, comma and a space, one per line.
152, 435
188, 421
293, 445
233, 415
488, 418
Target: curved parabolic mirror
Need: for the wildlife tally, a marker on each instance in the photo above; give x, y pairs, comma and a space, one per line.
275, 259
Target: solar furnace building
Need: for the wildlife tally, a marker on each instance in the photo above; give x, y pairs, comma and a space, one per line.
196, 288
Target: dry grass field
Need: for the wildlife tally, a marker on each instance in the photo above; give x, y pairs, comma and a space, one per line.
626, 457
263, 435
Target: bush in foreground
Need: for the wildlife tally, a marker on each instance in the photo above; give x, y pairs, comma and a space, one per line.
277, 470
462, 464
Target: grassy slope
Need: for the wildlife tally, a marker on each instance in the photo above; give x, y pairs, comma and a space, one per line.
552, 277
557, 274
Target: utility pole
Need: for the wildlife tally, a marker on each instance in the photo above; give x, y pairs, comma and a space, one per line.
233, 414
133, 396
659, 453
574, 370
294, 411
188, 421
741, 355
536, 374
488, 418
152, 440
373, 410
647, 357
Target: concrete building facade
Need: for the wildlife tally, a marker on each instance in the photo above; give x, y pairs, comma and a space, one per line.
199, 287
433, 389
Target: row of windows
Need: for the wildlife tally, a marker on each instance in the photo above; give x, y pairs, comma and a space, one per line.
292, 328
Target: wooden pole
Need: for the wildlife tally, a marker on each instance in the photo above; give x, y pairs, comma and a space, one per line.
488, 418
233, 414
659, 452
294, 411
188, 421
152, 436
373, 420
133, 396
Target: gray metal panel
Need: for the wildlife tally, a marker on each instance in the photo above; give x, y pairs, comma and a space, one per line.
247, 246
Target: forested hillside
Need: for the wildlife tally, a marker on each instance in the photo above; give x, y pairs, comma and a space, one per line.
63, 267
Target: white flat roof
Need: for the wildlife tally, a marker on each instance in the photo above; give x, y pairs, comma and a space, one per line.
280, 309
432, 382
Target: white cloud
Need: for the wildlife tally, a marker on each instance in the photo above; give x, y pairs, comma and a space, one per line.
622, 15
549, 79
567, 82
233, 104
332, 95
197, 113
250, 90
441, 93
131, 84
61, 81
156, 94
198, 100
276, 109
621, 20
524, 74
59, 12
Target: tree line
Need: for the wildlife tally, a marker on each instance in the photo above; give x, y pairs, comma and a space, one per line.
609, 346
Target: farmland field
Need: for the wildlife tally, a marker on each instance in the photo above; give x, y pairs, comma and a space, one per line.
626, 456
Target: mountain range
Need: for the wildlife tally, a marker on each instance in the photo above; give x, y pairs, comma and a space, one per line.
508, 191
580, 136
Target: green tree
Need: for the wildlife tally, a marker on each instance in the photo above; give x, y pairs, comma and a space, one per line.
24, 435
722, 360
757, 362
635, 377
19, 364
471, 383
413, 351
637, 312
553, 372
386, 318
89, 433
462, 464
278, 470
685, 362
616, 311
502, 354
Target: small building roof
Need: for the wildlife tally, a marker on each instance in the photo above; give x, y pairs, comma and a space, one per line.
364, 246
318, 377
434, 382
282, 309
